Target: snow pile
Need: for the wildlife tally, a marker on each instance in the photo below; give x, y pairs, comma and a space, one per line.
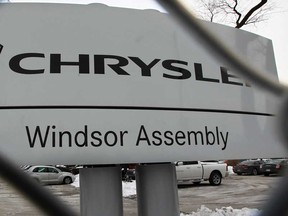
224, 211
230, 170
128, 188
76, 183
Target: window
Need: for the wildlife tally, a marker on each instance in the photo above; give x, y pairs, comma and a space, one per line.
190, 162
40, 169
52, 170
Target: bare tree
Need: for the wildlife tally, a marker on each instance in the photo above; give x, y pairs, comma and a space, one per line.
235, 12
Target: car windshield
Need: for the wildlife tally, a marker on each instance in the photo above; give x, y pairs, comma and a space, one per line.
276, 161
247, 162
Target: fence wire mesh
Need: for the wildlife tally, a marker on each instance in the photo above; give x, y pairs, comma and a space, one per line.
276, 205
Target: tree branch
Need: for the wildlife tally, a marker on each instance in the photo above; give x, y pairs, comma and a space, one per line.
237, 12
249, 14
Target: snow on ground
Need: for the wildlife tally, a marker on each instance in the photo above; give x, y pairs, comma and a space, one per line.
230, 170
224, 211
129, 189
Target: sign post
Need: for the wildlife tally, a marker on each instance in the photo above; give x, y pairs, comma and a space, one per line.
101, 191
157, 192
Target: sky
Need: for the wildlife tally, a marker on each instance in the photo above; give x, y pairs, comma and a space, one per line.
273, 28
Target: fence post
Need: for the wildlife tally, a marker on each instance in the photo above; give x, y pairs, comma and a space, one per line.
101, 191
157, 191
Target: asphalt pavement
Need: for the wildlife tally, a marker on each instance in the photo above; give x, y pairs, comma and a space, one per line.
235, 191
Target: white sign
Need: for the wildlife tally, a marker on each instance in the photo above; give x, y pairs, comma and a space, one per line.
99, 85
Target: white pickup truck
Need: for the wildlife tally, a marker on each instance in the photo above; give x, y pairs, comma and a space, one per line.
196, 171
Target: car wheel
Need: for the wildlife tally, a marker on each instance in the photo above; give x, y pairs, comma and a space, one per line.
67, 180
215, 178
254, 172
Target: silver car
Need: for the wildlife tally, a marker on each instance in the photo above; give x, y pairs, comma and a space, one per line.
50, 175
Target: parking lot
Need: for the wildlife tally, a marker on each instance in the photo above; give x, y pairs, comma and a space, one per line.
235, 191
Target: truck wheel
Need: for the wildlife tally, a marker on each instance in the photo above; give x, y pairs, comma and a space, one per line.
215, 178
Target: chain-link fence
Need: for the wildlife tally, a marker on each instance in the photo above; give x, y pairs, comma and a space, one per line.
276, 205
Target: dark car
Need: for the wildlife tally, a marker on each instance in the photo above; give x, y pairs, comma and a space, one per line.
251, 167
275, 166
129, 175
128, 172
63, 168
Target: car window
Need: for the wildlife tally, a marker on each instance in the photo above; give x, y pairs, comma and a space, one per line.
284, 162
247, 162
52, 170
277, 161
251, 163
190, 162
39, 169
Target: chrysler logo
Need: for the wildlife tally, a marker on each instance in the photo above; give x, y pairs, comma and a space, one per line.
173, 69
